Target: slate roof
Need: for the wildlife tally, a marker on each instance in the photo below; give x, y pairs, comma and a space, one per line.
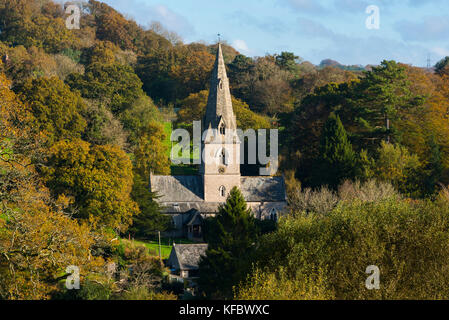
179, 194
189, 255
263, 189
181, 207
195, 218
178, 188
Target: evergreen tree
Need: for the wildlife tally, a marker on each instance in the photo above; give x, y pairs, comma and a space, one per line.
442, 67
434, 166
149, 219
338, 159
231, 237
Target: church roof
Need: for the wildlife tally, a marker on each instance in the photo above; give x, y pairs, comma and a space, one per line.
219, 103
263, 189
184, 193
177, 188
181, 207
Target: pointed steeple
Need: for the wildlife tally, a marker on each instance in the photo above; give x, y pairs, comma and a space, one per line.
219, 104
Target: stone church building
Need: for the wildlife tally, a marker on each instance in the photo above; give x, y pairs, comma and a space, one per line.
189, 199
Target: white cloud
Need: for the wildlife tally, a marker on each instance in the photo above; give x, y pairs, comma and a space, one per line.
441, 51
428, 29
241, 46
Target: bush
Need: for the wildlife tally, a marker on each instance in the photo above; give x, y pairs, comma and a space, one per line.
369, 191
320, 201
406, 239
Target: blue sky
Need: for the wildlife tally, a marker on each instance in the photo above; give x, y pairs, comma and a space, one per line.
313, 29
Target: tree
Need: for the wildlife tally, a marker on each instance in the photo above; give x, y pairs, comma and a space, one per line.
98, 179
288, 61
173, 74
231, 236
337, 158
434, 167
151, 154
150, 219
396, 165
102, 127
56, 108
442, 66
377, 102
37, 239
114, 84
325, 256
27, 23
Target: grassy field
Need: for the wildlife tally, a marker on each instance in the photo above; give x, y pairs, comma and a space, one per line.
153, 246
168, 130
182, 169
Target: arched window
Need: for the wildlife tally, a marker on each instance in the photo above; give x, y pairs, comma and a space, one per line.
223, 157
222, 191
273, 215
222, 129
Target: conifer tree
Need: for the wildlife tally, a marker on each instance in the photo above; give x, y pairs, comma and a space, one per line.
231, 237
434, 167
338, 159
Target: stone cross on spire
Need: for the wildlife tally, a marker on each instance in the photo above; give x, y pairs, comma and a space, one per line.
219, 105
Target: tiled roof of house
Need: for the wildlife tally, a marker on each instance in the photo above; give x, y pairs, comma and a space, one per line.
189, 255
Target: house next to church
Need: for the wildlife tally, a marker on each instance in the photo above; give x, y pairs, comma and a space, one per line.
190, 199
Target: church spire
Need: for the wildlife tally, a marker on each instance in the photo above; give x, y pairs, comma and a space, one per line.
219, 104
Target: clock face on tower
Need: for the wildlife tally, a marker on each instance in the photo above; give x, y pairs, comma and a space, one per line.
221, 170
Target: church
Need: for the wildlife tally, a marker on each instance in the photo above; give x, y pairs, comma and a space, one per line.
190, 199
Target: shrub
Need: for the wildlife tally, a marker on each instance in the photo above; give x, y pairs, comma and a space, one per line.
369, 191
321, 201
406, 239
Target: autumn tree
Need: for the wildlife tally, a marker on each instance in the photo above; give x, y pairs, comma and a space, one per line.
27, 23
56, 108
37, 239
99, 179
151, 154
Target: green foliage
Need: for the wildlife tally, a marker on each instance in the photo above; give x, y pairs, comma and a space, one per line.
288, 61
150, 219
406, 240
442, 66
57, 109
151, 152
230, 236
396, 165
338, 160
102, 127
114, 84
380, 97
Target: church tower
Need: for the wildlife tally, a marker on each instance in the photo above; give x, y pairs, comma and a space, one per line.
221, 148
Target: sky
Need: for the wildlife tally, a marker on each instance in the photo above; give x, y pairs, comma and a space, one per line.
409, 31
